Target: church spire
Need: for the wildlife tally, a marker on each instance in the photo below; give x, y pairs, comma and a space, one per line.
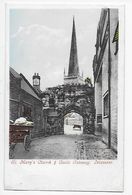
73, 61
64, 72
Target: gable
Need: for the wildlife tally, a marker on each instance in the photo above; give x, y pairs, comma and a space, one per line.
28, 89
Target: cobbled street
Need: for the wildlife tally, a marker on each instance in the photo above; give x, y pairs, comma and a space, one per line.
66, 147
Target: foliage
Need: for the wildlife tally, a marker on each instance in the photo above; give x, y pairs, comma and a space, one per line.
88, 81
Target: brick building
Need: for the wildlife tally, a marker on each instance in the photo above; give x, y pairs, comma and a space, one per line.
105, 68
25, 102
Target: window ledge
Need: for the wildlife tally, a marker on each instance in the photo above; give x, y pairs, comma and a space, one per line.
106, 116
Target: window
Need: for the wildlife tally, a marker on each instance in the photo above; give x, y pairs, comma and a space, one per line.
27, 112
99, 118
106, 105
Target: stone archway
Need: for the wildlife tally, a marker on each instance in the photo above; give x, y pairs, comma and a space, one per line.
58, 101
87, 119
68, 109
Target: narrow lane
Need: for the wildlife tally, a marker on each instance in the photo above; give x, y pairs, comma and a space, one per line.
53, 147
66, 147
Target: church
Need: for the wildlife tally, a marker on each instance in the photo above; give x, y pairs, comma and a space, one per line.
73, 96
73, 76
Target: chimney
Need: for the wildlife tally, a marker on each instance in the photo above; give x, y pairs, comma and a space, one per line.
36, 81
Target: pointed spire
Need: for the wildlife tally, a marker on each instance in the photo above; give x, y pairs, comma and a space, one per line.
73, 61
82, 74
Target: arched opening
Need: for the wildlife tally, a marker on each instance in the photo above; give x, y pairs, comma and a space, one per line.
73, 124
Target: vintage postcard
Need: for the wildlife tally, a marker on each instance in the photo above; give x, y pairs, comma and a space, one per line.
65, 74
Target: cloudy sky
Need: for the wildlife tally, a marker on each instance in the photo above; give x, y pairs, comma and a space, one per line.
40, 42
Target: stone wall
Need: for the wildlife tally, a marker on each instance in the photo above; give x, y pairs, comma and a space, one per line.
105, 119
114, 82
78, 98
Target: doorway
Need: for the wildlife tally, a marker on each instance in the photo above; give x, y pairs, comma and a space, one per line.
73, 124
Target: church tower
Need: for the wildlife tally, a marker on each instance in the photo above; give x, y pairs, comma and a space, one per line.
73, 71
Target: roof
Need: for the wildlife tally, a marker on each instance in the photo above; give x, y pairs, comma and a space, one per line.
73, 61
14, 73
38, 90
26, 86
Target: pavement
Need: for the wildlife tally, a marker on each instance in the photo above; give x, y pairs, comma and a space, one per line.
66, 147
68, 130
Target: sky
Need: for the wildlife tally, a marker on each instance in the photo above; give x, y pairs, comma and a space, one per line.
40, 42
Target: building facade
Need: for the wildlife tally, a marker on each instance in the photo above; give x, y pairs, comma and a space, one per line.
105, 69
25, 102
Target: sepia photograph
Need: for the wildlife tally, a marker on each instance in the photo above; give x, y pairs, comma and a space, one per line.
63, 83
